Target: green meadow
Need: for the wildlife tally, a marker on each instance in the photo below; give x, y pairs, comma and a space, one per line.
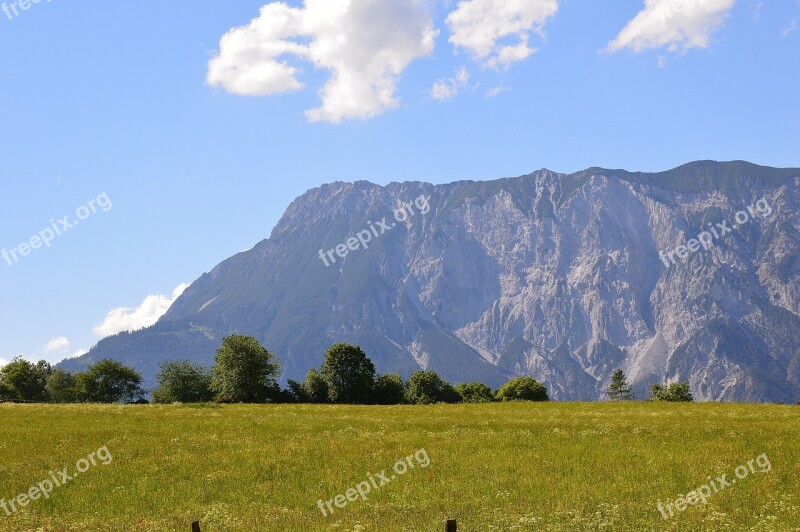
507, 466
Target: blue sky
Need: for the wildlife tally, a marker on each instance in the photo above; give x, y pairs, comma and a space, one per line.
199, 144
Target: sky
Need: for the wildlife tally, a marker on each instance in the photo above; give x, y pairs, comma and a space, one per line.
142, 143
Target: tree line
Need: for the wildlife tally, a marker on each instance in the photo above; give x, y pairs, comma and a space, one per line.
677, 392
245, 372
107, 381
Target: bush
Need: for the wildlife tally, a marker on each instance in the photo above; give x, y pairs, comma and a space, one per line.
183, 382
5, 392
315, 388
62, 387
523, 389
677, 392
389, 390
279, 396
426, 387
296, 392
475, 392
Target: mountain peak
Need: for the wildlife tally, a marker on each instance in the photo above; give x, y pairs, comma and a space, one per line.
557, 276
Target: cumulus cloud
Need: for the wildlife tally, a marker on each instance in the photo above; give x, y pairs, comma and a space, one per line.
484, 28
57, 345
3, 362
364, 44
678, 25
131, 319
447, 89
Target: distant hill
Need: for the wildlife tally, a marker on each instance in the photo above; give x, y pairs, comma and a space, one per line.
552, 275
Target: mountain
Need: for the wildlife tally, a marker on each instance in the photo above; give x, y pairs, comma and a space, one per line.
565, 277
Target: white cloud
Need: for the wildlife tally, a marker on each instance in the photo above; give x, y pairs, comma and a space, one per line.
145, 315
447, 89
442, 90
57, 345
495, 91
674, 24
3, 362
364, 44
78, 353
483, 27
790, 28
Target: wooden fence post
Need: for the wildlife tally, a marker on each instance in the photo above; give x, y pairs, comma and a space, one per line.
451, 526
196, 526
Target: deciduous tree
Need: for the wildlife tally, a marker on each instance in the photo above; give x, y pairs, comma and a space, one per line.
244, 371
349, 374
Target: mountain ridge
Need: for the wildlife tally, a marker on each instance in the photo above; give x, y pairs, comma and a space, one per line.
554, 275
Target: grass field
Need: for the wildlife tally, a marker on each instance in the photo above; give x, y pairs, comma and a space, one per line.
551, 466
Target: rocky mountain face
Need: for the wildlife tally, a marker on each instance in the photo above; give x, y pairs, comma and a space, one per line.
562, 277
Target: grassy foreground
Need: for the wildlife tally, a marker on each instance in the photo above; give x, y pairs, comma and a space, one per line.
503, 467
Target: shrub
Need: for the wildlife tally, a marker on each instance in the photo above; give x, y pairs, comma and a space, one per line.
62, 387
296, 392
677, 392
315, 388
426, 387
523, 389
475, 392
183, 382
389, 390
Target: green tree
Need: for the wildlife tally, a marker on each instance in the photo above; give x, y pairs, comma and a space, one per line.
475, 392
183, 382
108, 381
5, 392
25, 381
389, 390
677, 392
297, 393
426, 387
349, 374
245, 371
280, 396
619, 390
315, 387
523, 389
62, 387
